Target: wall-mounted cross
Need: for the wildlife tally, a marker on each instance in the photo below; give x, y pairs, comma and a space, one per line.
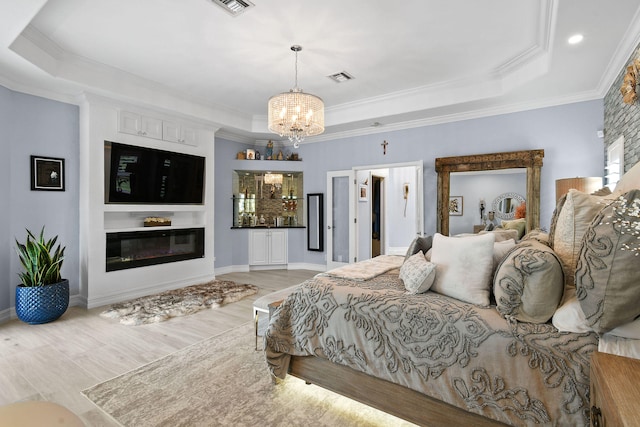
384, 147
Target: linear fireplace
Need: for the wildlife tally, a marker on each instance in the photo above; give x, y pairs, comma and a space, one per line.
133, 249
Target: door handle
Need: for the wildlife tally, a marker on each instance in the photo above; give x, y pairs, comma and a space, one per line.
328, 227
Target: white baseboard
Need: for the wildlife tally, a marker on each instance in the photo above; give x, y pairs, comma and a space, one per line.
247, 268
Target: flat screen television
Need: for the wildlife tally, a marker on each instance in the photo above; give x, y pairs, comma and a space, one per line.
149, 176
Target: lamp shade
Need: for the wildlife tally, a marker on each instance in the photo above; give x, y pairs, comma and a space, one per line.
584, 184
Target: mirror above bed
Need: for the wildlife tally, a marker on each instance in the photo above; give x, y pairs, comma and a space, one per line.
531, 160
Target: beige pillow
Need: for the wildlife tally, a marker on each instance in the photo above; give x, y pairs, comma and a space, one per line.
417, 274
573, 220
517, 224
500, 250
629, 181
529, 283
608, 268
463, 267
501, 234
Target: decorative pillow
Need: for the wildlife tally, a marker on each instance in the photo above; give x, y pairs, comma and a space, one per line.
629, 181
608, 273
419, 244
554, 218
500, 250
537, 234
463, 267
500, 234
517, 224
573, 220
529, 282
417, 274
569, 317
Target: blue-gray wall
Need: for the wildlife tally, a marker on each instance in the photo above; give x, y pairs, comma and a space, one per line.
567, 133
34, 125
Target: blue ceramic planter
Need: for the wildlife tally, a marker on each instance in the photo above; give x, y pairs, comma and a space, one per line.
42, 304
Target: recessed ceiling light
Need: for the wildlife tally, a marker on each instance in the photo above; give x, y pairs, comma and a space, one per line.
575, 39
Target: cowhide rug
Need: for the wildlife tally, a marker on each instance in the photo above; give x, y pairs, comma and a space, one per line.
178, 302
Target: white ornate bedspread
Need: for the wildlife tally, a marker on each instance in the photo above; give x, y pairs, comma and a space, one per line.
468, 356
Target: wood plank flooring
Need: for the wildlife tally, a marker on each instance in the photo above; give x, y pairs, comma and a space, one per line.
56, 361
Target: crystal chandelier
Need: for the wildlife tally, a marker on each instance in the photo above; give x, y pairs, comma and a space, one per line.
296, 114
273, 178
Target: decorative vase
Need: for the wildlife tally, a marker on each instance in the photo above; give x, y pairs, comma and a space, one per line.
42, 304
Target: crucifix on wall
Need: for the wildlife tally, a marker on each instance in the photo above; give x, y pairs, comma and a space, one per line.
384, 147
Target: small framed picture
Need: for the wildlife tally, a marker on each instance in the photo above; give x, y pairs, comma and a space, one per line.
362, 193
47, 173
455, 206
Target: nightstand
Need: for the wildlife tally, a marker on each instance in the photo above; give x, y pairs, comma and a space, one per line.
615, 390
478, 228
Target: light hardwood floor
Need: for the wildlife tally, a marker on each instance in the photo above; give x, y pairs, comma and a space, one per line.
56, 361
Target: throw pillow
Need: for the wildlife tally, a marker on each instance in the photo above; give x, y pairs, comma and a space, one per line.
417, 274
517, 224
419, 244
529, 283
463, 267
573, 220
607, 273
569, 317
554, 218
500, 250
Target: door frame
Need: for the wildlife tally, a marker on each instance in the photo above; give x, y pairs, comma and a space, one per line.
350, 175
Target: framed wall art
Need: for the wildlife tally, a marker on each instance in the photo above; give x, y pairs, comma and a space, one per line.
47, 173
362, 193
455, 206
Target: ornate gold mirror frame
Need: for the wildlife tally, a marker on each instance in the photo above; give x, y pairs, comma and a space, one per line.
531, 160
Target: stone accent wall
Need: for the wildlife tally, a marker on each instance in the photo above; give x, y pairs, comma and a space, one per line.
622, 119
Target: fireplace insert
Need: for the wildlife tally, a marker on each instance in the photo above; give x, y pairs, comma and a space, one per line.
131, 249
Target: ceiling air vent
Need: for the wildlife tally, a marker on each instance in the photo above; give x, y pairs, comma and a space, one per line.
341, 77
234, 7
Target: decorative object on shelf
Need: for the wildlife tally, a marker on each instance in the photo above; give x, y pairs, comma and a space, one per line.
521, 211
43, 295
296, 114
251, 154
241, 155
630, 82
257, 155
47, 173
584, 184
269, 151
455, 206
482, 205
280, 155
152, 221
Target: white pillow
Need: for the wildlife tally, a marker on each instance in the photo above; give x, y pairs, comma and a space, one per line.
569, 317
463, 267
417, 274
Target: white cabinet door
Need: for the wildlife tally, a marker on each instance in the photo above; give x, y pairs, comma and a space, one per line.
258, 247
267, 247
278, 247
179, 132
137, 124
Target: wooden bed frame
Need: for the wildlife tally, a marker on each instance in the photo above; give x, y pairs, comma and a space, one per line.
391, 398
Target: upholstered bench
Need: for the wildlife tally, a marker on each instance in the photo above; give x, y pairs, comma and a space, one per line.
261, 305
38, 413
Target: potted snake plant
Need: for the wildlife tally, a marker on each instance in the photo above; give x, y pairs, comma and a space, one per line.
42, 296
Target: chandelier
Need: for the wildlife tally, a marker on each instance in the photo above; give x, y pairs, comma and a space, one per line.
296, 114
273, 178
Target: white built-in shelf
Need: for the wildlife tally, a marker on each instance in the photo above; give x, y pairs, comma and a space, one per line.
157, 228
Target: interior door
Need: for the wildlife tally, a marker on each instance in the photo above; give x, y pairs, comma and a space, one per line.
341, 240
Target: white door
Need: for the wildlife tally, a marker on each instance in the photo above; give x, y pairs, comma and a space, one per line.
341, 240
277, 246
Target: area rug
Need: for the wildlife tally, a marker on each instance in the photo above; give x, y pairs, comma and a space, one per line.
223, 381
178, 302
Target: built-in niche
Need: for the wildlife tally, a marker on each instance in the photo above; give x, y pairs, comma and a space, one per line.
267, 198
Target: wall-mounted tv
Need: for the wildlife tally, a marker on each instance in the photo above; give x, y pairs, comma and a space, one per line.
149, 176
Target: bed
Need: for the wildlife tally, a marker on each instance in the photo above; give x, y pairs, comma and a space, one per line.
429, 358
435, 349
